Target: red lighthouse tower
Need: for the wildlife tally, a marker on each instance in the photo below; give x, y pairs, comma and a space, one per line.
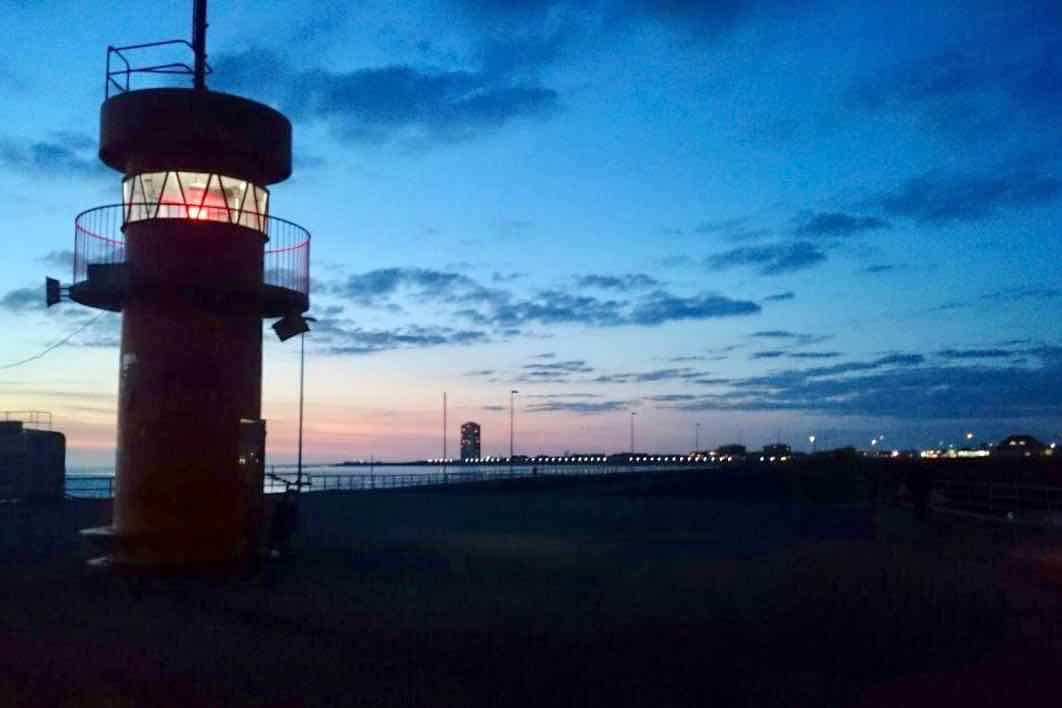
194, 261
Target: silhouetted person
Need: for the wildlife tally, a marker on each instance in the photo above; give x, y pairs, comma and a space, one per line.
919, 484
285, 517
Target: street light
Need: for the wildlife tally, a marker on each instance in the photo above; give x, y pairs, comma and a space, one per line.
512, 404
302, 379
697, 437
633, 413
811, 439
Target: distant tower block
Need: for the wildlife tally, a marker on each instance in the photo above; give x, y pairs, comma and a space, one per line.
193, 261
470, 446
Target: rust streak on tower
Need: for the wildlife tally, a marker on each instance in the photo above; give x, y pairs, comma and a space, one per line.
193, 260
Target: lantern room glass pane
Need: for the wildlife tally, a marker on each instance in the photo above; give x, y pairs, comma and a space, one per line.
262, 200
171, 205
249, 216
151, 189
235, 190
194, 186
134, 199
212, 207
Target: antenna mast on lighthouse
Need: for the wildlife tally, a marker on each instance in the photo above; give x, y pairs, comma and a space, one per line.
199, 28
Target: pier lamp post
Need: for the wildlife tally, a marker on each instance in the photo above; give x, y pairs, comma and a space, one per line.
633, 413
512, 408
302, 382
697, 437
811, 439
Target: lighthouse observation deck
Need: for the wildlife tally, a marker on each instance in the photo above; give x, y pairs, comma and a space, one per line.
101, 280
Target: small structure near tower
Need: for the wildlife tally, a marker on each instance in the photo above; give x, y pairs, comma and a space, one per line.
193, 259
32, 457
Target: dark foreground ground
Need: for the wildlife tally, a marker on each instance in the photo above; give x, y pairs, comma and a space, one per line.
636, 591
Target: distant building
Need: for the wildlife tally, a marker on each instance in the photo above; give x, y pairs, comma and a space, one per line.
1020, 446
470, 449
32, 462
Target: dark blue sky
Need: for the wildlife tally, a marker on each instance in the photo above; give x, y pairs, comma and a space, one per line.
771, 218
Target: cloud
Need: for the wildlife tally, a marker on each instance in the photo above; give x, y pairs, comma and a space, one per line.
710, 381
920, 81
661, 307
839, 224
376, 105
679, 261
1012, 82
575, 366
655, 308
976, 353
909, 392
897, 360
696, 20
343, 339
671, 397
550, 307
700, 21
480, 372
878, 269
814, 355
934, 199
902, 385
579, 407
22, 300
653, 376
622, 283
1003, 296
62, 154
375, 288
62, 258
552, 396
506, 313
552, 372
778, 353
543, 355
1022, 293
775, 259
527, 53
732, 230
789, 338
494, 409
780, 297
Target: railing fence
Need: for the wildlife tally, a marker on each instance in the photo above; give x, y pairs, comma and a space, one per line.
102, 486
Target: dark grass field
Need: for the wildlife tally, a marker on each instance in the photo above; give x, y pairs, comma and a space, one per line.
631, 591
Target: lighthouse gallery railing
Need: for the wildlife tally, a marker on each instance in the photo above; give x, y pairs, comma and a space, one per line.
99, 238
